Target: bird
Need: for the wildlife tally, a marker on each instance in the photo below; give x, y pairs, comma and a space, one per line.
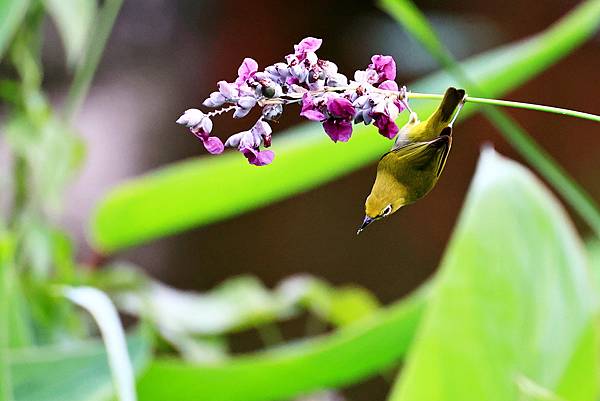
412, 168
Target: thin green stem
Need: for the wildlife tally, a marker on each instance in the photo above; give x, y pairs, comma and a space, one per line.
87, 67
510, 103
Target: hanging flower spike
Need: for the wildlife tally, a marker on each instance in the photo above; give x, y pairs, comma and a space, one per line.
339, 124
325, 95
201, 126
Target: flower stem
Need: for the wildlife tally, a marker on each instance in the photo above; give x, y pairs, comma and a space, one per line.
508, 103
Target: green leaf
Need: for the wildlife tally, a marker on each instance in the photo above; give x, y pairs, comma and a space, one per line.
205, 190
73, 372
415, 22
337, 305
593, 248
74, 19
12, 13
513, 300
6, 269
351, 353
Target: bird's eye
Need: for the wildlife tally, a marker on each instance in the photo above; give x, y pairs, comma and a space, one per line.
386, 211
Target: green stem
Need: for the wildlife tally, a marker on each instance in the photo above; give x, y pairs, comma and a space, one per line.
19, 188
509, 103
87, 67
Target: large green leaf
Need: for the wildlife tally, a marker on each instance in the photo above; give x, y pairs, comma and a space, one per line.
205, 190
513, 306
74, 19
12, 13
68, 373
356, 351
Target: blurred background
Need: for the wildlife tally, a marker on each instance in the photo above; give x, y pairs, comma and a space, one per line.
166, 56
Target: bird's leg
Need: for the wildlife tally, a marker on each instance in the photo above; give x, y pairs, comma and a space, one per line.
460, 106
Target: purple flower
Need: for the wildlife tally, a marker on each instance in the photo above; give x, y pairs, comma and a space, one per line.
306, 46
258, 157
310, 110
385, 66
247, 70
249, 142
339, 124
211, 143
201, 126
244, 105
389, 85
366, 76
387, 127
227, 90
216, 99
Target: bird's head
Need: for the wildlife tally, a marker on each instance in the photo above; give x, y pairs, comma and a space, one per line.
386, 197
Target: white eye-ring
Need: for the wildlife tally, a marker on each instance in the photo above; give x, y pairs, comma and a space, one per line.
386, 211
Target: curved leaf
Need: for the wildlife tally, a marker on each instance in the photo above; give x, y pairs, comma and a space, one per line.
74, 19
353, 352
205, 190
513, 302
12, 13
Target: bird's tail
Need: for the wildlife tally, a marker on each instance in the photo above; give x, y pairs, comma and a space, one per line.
452, 99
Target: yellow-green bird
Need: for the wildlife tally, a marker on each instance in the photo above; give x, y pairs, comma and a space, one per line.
411, 169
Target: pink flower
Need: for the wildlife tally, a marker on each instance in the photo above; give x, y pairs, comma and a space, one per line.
385, 66
339, 124
310, 110
387, 127
258, 157
306, 46
201, 126
249, 143
247, 70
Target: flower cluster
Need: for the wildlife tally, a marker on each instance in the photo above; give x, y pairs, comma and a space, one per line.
325, 95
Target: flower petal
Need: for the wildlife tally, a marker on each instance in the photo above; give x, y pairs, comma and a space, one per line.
340, 107
387, 127
389, 85
213, 145
229, 91
247, 69
308, 44
338, 130
256, 157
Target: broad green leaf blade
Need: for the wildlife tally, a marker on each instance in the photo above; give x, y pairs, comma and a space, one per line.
354, 352
205, 190
513, 300
69, 373
415, 22
12, 13
74, 19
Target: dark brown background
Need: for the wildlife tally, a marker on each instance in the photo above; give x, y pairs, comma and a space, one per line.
166, 56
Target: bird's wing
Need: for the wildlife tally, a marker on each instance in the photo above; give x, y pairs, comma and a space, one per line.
422, 155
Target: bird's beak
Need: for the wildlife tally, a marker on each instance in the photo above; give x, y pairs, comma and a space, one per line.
364, 224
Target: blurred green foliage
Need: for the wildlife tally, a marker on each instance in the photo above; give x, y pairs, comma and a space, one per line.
512, 314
